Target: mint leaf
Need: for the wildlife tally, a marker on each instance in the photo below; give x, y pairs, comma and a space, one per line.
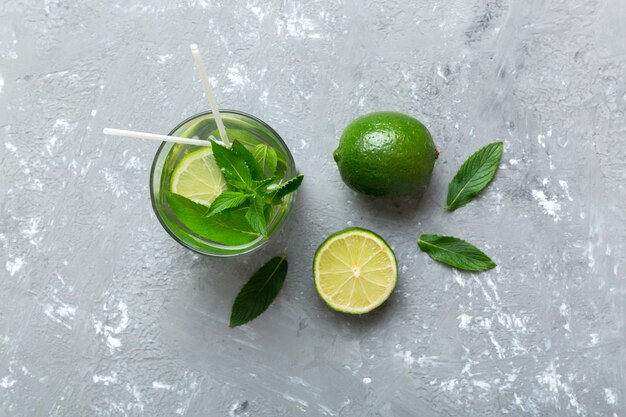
261, 186
268, 212
288, 187
241, 151
227, 228
256, 216
455, 252
281, 167
227, 200
185, 208
474, 175
234, 168
259, 292
266, 157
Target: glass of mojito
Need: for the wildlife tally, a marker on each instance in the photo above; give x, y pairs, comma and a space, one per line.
225, 199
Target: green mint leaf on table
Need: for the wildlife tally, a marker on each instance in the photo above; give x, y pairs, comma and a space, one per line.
256, 216
267, 158
287, 187
227, 200
259, 292
241, 151
234, 167
474, 175
228, 227
455, 252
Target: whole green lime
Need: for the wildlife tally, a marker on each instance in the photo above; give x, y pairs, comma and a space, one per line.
386, 154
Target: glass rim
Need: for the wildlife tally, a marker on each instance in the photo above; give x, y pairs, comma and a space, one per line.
153, 168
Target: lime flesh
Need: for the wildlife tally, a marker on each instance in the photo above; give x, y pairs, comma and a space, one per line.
198, 178
355, 271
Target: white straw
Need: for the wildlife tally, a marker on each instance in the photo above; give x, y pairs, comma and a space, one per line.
209, 93
154, 136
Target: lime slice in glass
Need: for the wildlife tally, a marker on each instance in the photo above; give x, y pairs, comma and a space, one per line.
198, 178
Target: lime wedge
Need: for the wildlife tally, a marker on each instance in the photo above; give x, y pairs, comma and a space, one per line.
355, 271
198, 178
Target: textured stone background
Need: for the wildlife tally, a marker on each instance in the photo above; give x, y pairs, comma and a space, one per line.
102, 314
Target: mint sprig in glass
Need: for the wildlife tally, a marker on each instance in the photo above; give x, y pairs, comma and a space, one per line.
224, 200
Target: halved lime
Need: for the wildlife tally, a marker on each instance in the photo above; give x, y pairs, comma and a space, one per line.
355, 271
198, 178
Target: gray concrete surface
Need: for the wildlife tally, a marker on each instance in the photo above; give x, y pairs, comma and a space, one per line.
102, 314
